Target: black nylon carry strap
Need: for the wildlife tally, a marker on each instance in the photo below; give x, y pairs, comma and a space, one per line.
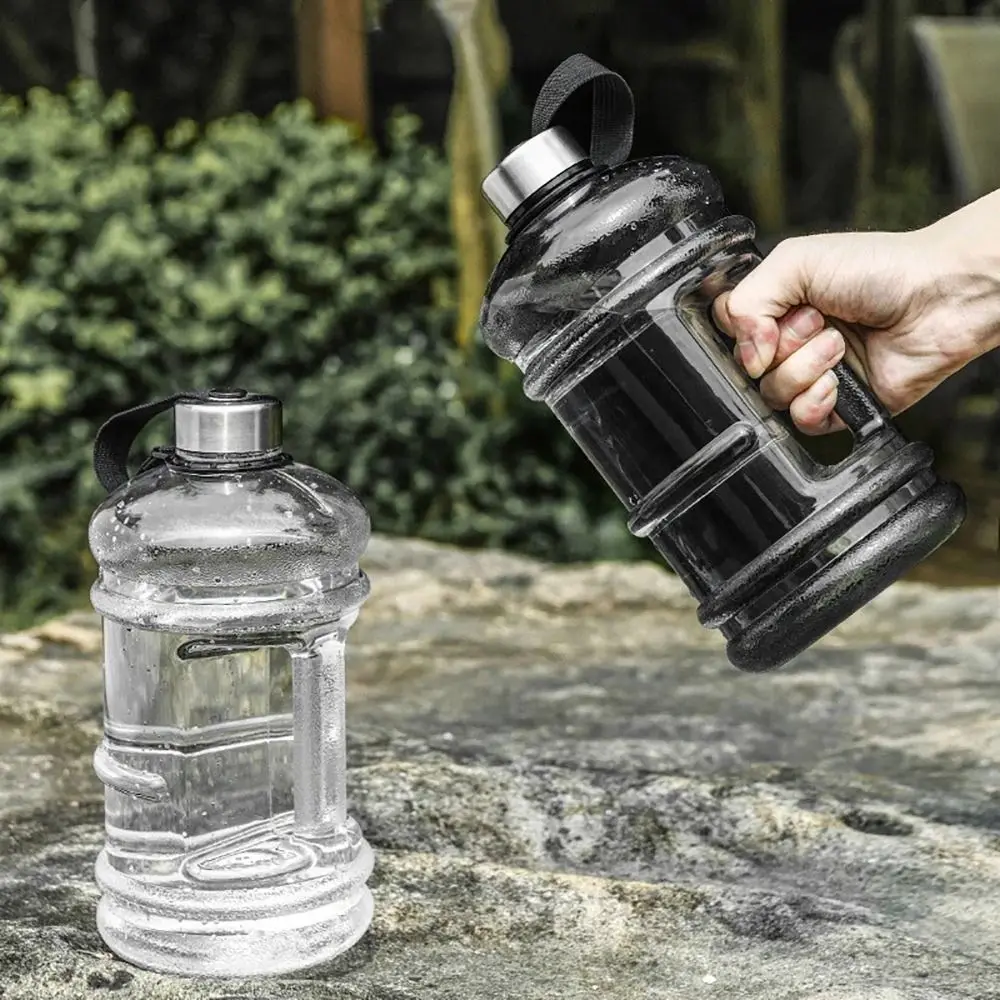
613, 117
117, 435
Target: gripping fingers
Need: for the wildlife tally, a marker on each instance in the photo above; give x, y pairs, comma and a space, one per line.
801, 350
802, 368
763, 342
795, 329
812, 410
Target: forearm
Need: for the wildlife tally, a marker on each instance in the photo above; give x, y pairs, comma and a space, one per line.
966, 248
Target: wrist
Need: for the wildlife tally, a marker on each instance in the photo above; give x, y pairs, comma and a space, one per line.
961, 254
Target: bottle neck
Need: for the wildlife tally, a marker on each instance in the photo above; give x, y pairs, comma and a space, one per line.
548, 195
201, 463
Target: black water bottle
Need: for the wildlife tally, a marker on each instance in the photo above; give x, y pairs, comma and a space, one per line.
603, 301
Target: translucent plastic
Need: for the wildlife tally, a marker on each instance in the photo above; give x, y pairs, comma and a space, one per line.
603, 300
645, 420
646, 384
227, 597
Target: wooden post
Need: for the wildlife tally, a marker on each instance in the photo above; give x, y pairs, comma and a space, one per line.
482, 59
881, 16
83, 14
769, 176
757, 32
896, 118
333, 58
850, 72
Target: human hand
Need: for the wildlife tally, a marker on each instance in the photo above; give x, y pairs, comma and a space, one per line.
919, 305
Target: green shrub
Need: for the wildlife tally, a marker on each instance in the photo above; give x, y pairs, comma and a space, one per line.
281, 254
416, 431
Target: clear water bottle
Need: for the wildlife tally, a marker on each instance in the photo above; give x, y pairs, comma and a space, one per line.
603, 300
228, 579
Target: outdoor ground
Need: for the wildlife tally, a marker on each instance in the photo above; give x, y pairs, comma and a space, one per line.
572, 794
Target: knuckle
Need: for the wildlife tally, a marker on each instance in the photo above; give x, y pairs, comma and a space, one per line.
790, 248
815, 358
774, 391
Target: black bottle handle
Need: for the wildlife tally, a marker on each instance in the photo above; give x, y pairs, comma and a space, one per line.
613, 115
117, 434
857, 405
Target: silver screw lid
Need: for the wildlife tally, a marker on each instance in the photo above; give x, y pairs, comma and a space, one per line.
227, 422
527, 168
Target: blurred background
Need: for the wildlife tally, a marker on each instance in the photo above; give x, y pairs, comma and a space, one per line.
284, 194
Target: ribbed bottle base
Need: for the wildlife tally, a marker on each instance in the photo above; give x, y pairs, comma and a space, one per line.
850, 581
242, 934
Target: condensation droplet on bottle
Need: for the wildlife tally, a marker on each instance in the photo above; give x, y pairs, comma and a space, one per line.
191, 523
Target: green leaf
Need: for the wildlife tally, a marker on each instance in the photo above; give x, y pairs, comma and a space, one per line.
45, 390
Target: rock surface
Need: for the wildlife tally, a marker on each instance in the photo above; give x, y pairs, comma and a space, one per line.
572, 794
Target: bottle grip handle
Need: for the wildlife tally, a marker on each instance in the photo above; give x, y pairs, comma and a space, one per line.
857, 405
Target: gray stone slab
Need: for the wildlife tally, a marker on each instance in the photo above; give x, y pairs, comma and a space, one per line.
572, 794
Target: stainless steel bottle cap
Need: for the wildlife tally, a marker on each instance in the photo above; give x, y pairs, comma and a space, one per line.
227, 422
528, 168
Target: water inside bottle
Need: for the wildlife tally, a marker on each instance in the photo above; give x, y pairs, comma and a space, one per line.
227, 595
657, 405
201, 763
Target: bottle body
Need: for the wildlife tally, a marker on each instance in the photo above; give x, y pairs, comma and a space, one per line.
603, 301
229, 849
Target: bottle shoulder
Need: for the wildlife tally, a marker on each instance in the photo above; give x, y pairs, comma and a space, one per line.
561, 262
175, 515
